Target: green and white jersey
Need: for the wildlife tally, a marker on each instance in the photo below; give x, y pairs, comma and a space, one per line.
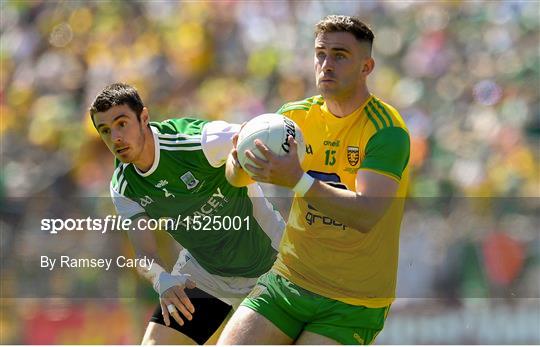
187, 179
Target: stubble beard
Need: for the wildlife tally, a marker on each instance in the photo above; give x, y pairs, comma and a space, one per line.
141, 142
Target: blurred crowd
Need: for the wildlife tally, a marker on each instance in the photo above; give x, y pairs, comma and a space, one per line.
464, 75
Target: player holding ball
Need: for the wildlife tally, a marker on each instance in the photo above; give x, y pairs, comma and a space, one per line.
335, 276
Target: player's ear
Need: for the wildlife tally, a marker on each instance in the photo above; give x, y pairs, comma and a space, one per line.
369, 65
145, 118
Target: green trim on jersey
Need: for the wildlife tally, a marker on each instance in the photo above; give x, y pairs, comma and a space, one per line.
303, 105
292, 108
118, 182
374, 107
388, 151
378, 114
383, 109
117, 174
372, 119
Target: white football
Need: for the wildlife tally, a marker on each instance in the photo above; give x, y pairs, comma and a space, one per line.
273, 130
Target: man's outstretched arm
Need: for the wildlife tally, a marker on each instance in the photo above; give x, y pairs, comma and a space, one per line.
169, 287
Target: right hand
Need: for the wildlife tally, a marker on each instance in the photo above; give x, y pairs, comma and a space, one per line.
171, 289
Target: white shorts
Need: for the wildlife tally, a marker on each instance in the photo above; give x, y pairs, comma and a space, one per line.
230, 290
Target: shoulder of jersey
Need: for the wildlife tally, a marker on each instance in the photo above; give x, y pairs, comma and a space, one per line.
382, 115
180, 134
175, 126
302, 105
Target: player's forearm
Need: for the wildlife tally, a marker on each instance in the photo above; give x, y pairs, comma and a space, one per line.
145, 245
150, 273
161, 279
350, 208
235, 175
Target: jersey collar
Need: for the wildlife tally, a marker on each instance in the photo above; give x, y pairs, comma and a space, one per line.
156, 155
330, 117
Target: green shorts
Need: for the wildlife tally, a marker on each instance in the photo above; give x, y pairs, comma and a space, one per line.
293, 309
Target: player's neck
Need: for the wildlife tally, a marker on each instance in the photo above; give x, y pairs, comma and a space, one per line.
147, 157
344, 107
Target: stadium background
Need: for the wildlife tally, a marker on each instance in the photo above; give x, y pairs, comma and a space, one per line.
464, 74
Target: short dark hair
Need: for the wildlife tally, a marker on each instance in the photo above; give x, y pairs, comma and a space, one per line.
114, 95
337, 23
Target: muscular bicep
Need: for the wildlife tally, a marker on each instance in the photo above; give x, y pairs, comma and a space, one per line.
373, 184
378, 192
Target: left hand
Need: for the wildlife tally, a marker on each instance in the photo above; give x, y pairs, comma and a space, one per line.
282, 171
234, 151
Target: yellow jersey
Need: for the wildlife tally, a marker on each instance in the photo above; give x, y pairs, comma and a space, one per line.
321, 254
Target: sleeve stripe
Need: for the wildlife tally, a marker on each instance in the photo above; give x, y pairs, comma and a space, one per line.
290, 106
370, 116
303, 102
118, 183
293, 107
115, 173
378, 103
304, 105
119, 176
378, 115
315, 100
177, 136
185, 148
187, 143
123, 188
180, 142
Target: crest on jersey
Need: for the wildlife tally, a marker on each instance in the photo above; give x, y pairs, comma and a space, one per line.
353, 155
190, 180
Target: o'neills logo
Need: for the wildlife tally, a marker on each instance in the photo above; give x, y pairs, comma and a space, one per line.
289, 130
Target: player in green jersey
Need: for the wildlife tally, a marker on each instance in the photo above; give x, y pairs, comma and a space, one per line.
175, 169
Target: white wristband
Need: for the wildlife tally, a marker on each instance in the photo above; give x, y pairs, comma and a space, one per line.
301, 188
166, 280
